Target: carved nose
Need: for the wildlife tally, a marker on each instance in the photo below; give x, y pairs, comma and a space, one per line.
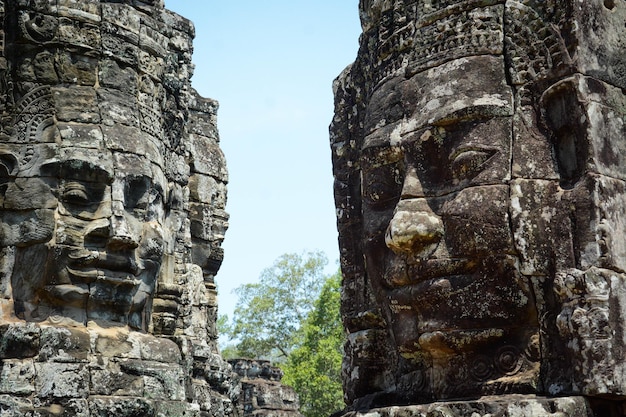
120, 234
414, 229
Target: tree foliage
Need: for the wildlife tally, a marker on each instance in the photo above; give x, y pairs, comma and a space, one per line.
268, 314
292, 317
314, 367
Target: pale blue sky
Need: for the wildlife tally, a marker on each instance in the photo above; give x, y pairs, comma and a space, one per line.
271, 64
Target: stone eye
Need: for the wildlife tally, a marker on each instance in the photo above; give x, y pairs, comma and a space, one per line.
468, 163
382, 185
143, 198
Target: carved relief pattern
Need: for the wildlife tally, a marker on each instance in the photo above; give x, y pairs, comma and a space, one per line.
35, 112
534, 46
454, 36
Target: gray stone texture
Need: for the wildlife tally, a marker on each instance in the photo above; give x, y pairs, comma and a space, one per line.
480, 185
112, 215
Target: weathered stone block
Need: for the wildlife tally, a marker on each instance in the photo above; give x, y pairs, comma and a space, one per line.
61, 380
151, 39
473, 233
76, 68
205, 189
120, 406
115, 108
84, 11
176, 409
121, 15
116, 46
586, 114
19, 340
204, 123
116, 345
161, 381
76, 104
158, 349
17, 377
64, 345
598, 38
208, 158
531, 153
81, 135
111, 75
79, 34
29, 194
201, 220
538, 226
107, 378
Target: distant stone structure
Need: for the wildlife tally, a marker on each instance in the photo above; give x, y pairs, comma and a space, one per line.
262, 394
479, 154
112, 188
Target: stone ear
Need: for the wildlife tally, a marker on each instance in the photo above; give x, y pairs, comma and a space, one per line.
8, 169
565, 117
8, 164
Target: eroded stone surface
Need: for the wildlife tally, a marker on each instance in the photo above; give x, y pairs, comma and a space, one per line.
479, 184
112, 198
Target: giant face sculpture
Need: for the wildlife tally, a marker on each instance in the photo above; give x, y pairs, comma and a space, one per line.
108, 243
436, 227
477, 191
113, 183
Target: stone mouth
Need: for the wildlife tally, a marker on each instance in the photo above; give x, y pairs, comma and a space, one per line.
402, 274
100, 275
114, 262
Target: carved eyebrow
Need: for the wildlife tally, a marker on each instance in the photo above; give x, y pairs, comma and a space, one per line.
472, 148
77, 169
380, 155
150, 182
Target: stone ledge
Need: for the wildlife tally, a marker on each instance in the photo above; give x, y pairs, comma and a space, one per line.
500, 406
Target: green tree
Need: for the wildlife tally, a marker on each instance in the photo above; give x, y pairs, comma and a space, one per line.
268, 315
314, 367
292, 317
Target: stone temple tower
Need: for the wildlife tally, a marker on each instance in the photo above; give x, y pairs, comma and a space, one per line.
112, 196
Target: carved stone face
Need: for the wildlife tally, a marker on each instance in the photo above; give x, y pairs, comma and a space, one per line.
108, 243
479, 185
111, 175
436, 225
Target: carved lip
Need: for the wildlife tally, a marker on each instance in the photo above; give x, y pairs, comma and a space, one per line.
90, 275
402, 274
115, 262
